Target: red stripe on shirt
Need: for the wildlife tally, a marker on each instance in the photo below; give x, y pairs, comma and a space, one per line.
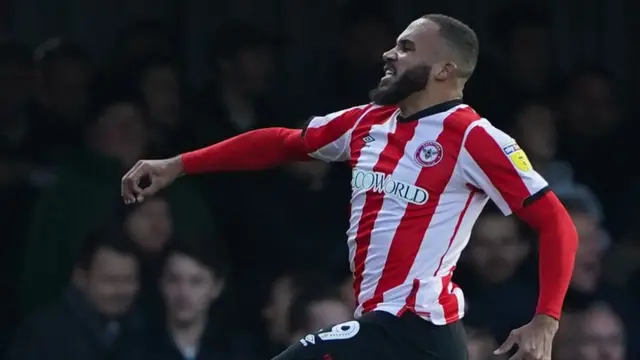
490, 157
386, 163
455, 230
448, 300
413, 226
318, 137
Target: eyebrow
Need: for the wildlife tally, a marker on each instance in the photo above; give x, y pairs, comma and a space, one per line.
405, 42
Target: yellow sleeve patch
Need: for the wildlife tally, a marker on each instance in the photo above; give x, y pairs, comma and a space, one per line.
518, 157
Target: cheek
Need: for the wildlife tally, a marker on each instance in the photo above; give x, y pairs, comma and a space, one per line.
138, 228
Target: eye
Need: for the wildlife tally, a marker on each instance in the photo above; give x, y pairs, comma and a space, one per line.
405, 46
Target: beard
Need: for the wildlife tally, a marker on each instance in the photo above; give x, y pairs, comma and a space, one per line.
396, 89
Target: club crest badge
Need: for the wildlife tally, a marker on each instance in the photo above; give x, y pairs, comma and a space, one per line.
429, 154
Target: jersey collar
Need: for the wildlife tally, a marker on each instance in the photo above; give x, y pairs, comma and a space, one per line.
431, 110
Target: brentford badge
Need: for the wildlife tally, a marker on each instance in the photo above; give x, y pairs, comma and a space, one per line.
429, 154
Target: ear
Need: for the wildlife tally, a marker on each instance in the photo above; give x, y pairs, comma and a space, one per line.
216, 289
443, 72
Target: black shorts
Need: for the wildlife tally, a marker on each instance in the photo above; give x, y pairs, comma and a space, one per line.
382, 336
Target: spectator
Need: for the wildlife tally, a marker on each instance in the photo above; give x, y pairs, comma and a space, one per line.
315, 310
92, 319
591, 118
157, 79
193, 278
521, 34
276, 312
17, 158
366, 35
284, 288
623, 262
535, 130
346, 292
59, 116
141, 39
150, 227
481, 345
243, 63
498, 298
567, 341
602, 335
86, 195
16, 89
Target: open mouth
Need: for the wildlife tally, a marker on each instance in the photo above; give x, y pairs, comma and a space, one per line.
389, 70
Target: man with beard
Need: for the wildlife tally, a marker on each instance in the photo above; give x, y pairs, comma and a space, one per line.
424, 165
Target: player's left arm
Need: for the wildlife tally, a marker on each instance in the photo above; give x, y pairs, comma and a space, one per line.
493, 162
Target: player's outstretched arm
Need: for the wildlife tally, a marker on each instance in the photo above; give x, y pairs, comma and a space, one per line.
254, 150
325, 138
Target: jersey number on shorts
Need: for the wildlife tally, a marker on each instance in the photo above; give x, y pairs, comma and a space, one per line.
343, 331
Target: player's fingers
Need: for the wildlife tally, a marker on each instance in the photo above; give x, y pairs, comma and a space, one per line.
125, 189
130, 182
507, 344
153, 188
519, 355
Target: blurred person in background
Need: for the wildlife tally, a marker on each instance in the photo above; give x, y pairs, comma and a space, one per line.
84, 196
316, 309
193, 278
16, 91
535, 130
567, 341
587, 283
158, 79
591, 119
92, 319
284, 288
17, 159
498, 297
602, 335
150, 228
64, 75
236, 101
481, 345
522, 62
346, 291
366, 33
142, 39
622, 263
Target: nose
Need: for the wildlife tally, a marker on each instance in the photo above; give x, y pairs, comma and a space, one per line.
389, 55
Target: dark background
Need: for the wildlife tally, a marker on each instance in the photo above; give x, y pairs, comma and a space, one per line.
88, 87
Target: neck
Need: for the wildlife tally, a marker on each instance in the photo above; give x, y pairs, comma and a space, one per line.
427, 98
187, 335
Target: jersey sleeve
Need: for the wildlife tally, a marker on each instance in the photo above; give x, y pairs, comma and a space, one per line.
493, 162
329, 136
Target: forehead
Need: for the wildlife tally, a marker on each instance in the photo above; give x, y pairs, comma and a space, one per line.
108, 259
421, 30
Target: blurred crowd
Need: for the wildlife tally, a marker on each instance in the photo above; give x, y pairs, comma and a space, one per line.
238, 266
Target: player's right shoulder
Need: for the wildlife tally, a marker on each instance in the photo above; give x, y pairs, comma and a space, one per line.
347, 118
372, 113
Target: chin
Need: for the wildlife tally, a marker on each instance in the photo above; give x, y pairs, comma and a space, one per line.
385, 82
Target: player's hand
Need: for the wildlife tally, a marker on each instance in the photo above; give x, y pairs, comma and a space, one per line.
160, 173
534, 340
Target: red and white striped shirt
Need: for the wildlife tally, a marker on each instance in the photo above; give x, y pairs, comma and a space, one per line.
419, 184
